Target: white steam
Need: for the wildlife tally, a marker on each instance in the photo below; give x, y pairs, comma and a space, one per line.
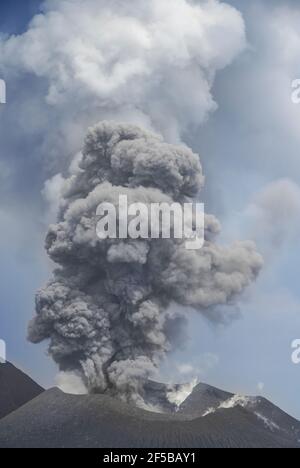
71, 383
150, 63
178, 395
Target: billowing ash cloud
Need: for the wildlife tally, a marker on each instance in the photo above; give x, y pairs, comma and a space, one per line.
151, 63
107, 310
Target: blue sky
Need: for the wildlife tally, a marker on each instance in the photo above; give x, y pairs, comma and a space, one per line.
15, 15
249, 142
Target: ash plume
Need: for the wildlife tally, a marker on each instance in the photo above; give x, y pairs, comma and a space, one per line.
151, 63
107, 311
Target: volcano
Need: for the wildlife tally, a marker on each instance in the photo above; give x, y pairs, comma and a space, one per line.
16, 389
208, 418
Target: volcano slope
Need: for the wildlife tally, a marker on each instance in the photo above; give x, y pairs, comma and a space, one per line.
16, 389
57, 420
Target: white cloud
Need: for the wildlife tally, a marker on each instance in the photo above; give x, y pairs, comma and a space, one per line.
150, 63
199, 368
52, 193
71, 383
196, 369
274, 215
260, 387
258, 119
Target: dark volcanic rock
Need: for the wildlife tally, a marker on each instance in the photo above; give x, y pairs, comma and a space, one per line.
203, 398
155, 394
274, 418
16, 389
209, 417
55, 419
